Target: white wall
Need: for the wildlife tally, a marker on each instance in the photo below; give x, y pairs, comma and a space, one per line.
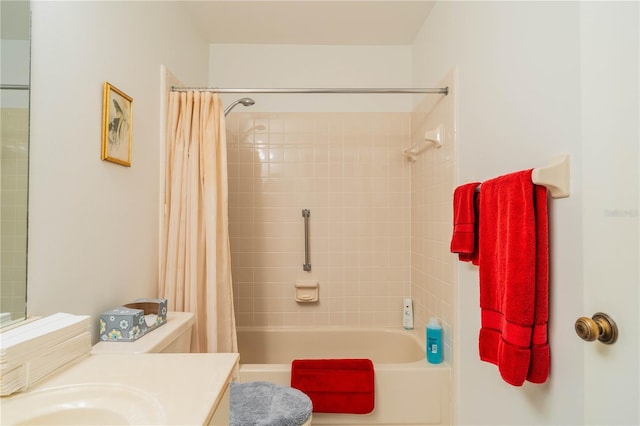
93, 225
519, 105
302, 66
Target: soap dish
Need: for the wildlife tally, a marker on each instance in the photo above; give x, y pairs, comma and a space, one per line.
307, 291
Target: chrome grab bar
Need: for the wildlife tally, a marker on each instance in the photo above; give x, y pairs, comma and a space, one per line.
307, 265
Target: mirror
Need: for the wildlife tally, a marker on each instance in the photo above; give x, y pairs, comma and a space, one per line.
14, 158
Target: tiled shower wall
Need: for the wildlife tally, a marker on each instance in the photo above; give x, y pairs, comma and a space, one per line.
380, 225
13, 213
433, 180
347, 168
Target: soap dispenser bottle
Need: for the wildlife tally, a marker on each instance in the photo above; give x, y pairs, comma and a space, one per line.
434, 341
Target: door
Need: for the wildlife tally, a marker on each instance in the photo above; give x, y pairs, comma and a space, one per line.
610, 137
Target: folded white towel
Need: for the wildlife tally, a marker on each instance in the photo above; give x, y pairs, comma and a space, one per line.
47, 331
34, 350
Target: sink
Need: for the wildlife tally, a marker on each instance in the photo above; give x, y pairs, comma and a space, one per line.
83, 404
124, 389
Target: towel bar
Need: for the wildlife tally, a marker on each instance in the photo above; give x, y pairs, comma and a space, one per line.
556, 176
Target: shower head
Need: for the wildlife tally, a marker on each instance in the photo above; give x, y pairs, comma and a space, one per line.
243, 101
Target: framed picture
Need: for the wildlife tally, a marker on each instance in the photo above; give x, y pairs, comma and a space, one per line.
117, 120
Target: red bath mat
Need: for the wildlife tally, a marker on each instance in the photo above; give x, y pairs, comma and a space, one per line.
336, 385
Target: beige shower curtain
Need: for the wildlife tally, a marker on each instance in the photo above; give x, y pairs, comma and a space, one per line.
195, 272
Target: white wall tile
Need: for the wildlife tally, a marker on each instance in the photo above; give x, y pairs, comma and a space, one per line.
344, 168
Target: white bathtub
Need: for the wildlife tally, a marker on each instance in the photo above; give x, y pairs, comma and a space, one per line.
409, 391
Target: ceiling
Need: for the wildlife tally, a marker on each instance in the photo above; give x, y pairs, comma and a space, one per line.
340, 22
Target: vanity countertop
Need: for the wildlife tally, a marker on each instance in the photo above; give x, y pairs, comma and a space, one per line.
189, 387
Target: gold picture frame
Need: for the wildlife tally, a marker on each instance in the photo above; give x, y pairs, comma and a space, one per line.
117, 121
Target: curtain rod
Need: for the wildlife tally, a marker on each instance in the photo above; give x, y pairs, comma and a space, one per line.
14, 87
439, 90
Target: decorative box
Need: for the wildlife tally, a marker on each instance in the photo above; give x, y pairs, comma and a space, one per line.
130, 322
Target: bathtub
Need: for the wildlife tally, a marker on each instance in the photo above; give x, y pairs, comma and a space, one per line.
408, 390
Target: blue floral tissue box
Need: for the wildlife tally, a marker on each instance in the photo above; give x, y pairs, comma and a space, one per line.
130, 322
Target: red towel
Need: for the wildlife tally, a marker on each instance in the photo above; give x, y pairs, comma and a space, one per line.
514, 277
336, 385
463, 240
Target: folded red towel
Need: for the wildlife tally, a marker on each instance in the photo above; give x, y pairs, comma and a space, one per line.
336, 385
540, 353
463, 240
513, 264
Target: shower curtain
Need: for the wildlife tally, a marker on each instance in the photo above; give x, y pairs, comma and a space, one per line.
195, 272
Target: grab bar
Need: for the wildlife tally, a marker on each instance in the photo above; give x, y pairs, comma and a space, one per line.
307, 265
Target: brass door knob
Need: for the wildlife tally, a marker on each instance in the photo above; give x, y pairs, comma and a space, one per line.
600, 326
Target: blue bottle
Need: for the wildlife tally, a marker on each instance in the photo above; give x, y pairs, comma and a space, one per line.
434, 341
